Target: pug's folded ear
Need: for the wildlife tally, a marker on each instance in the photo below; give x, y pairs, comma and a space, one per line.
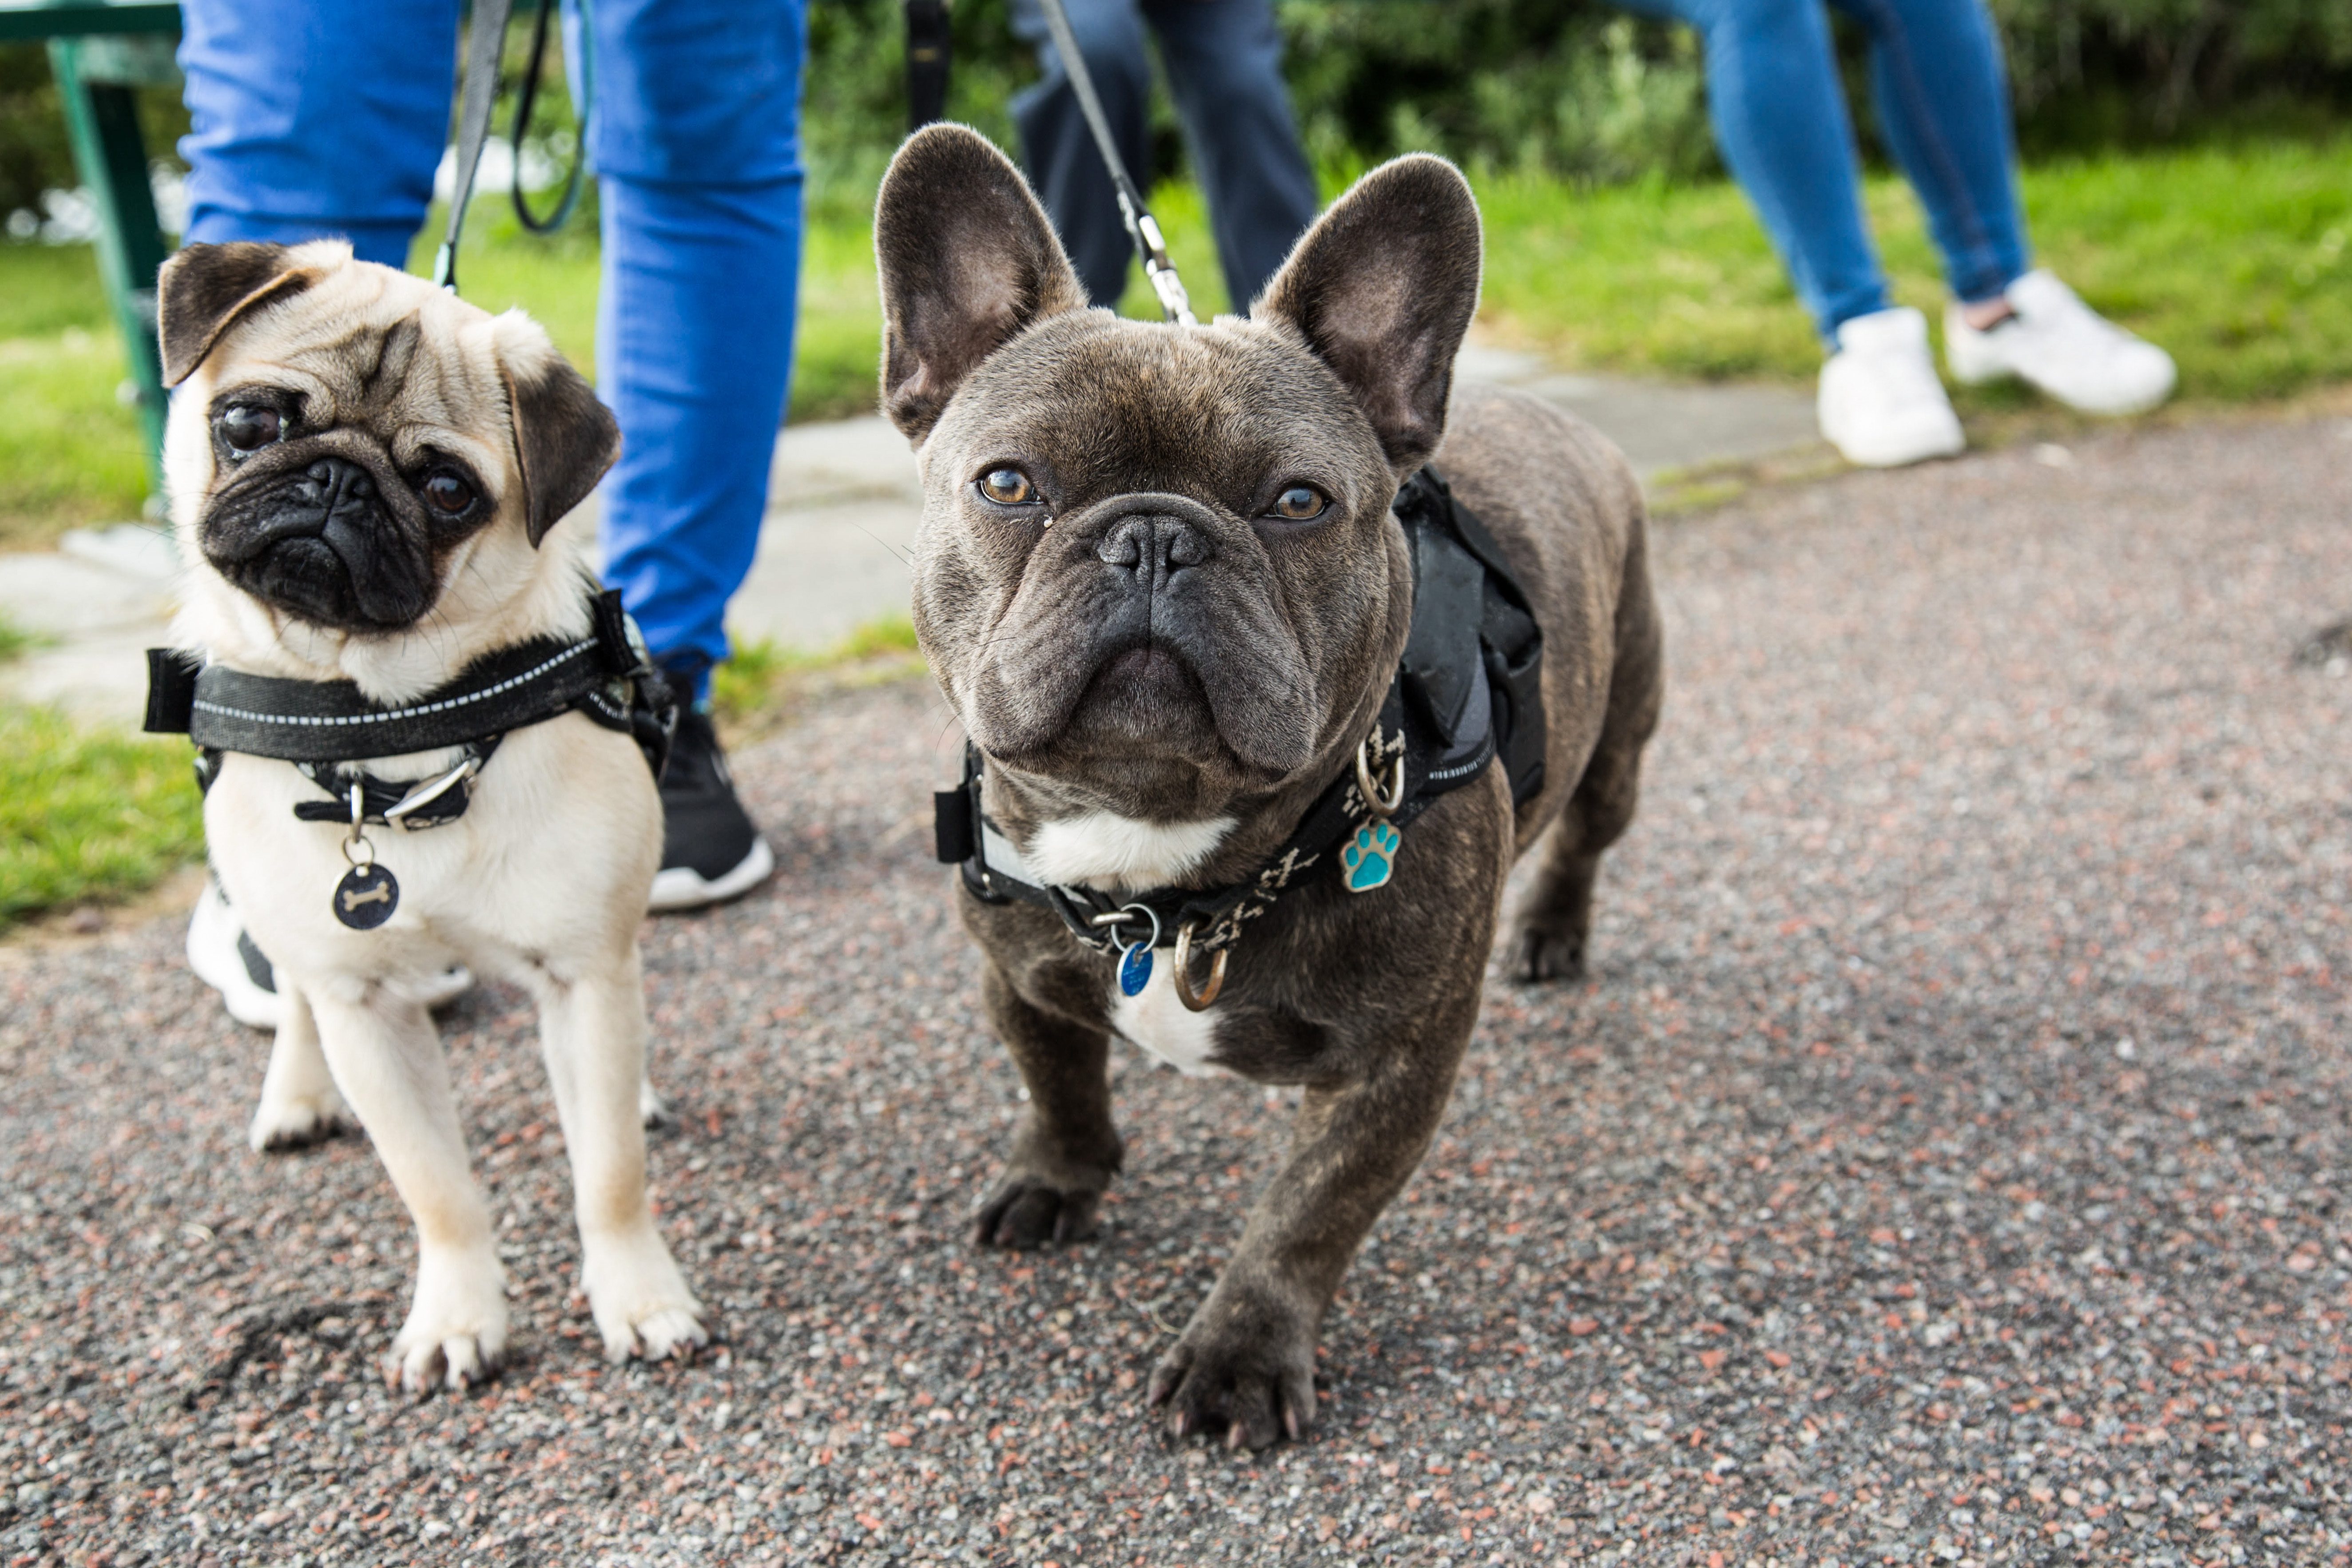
968, 261
565, 438
1382, 288
204, 289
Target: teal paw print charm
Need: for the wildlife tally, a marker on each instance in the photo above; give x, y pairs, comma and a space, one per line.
1369, 858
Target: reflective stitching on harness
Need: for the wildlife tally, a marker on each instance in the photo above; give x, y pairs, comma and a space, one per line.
392, 713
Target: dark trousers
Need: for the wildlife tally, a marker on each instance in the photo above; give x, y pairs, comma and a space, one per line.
1223, 60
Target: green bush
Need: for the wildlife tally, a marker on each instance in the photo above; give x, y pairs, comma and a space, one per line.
1573, 86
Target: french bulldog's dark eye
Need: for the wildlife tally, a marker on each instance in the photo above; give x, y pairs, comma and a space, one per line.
1007, 487
1300, 503
449, 494
248, 426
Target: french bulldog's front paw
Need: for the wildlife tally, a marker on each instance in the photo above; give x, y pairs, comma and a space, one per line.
652, 1109
297, 1121
1547, 954
640, 1300
1249, 1373
457, 1331
1028, 1211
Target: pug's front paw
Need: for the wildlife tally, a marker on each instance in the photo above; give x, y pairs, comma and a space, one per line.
1026, 1211
297, 1121
457, 1329
640, 1300
1244, 1367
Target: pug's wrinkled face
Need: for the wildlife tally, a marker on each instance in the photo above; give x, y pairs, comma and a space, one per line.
346, 433
1156, 566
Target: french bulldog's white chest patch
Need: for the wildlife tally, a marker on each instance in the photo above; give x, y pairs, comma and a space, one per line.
1155, 1020
1103, 850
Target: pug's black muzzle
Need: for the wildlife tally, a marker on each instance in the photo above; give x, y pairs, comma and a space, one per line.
325, 540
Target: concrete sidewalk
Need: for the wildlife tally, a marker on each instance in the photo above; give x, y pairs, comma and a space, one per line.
843, 507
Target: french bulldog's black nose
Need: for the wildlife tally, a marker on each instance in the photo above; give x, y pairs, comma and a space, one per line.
1153, 549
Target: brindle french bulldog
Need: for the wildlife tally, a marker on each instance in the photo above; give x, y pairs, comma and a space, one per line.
1161, 582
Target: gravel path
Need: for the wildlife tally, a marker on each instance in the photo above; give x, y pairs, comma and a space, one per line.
1946, 1164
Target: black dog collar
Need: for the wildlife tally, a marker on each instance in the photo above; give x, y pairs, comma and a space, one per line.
325, 726
1471, 636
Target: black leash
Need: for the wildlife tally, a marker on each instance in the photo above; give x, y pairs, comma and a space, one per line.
1150, 247
528, 97
486, 38
931, 49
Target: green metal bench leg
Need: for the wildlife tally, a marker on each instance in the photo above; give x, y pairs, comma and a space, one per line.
112, 156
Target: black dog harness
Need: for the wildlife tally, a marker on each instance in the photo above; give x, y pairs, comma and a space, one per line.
1469, 689
326, 727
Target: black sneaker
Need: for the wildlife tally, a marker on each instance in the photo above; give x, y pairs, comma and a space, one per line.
710, 851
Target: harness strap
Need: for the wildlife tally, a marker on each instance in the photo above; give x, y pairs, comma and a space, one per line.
325, 727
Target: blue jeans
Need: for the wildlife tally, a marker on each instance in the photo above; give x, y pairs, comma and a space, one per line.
1224, 67
1779, 117
329, 118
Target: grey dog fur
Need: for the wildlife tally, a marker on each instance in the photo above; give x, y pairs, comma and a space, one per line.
1238, 679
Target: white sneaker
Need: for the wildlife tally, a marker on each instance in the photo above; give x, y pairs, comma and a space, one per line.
226, 959
1880, 403
2060, 345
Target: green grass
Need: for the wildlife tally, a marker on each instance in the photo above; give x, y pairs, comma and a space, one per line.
754, 686
88, 815
2236, 258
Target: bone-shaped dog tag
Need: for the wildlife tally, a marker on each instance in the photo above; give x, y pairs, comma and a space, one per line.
366, 896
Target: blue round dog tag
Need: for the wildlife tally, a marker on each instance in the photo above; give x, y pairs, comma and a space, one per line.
1135, 969
366, 896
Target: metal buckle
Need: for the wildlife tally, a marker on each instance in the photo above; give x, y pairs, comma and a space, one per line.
425, 794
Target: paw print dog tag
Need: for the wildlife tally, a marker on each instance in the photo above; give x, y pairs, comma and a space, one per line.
1369, 858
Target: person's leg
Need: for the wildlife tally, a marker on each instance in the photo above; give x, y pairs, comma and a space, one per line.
1936, 76
1780, 118
696, 141
1935, 72
1780, 121
295, 131
1224, 65
1058, 153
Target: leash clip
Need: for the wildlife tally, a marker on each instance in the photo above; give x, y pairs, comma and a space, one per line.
357, 850
1379, 807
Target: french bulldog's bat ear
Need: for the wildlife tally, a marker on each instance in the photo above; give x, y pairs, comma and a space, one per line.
967, 259
565, 438
204, 288
1382, 288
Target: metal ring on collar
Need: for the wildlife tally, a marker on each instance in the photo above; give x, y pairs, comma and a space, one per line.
1117, 917
1373, 799
1197, 1002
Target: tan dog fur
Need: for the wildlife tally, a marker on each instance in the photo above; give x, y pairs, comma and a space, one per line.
542, 881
